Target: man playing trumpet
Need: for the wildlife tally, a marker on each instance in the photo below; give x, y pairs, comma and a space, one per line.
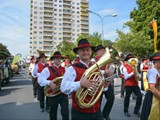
46, 77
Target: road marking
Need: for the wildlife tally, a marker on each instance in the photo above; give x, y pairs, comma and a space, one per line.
26, 77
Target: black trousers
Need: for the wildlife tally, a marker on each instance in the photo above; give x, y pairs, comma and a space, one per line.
61, 99
41, 97
122, 87
137, 92
34, 83
76, 115
109, 95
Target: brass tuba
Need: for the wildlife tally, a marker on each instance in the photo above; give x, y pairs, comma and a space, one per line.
134, 63
49, 92
87, 97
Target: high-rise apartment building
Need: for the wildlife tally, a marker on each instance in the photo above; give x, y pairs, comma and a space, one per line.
52, 21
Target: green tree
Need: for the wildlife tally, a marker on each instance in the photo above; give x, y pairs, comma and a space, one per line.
66, 48
142, 15
139, 40
4, 52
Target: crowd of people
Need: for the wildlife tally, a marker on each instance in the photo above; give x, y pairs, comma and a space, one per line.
43, 74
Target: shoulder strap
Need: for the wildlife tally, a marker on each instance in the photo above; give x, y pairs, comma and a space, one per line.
79, 65
53, 70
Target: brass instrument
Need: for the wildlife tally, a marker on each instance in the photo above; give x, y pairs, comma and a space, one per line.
134, 63
87, 97
49, 92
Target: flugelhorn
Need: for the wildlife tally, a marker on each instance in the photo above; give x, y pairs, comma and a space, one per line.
87, 97
49, 92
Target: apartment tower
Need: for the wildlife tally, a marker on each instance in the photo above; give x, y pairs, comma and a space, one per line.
52, 21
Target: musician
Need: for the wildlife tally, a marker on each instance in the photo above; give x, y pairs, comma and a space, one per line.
109, 90
143, 67
131, 85
151, 106
66, 62
72, 81
34, 82
48, 74
37, 70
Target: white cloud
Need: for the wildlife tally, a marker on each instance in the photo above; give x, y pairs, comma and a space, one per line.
107, 12
111, 35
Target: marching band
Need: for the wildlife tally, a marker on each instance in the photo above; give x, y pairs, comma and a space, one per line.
56, 81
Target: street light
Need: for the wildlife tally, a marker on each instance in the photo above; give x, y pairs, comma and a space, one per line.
102, 20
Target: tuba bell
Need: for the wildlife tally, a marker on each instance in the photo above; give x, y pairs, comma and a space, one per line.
49, 92
87, 97
134, 63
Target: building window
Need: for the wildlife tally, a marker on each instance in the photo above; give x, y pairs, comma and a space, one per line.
40, 22
41, 8
60, 10
55, 38
34, 37
35, 8
35, 42
35, 27
41, 18
34, 47
55, 23
40, 42
40, 37
35, 32
35, 17
55, 0
60, 5
40, 32
35, 22
34, 52
54, 33
35, 3
40, 27
40, 47
55, 28
60, 38
35, 12
55, 9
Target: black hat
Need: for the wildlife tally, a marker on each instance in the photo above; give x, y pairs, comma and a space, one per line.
99, 47
156, 56
42, 55
57, 54
128, 57
81, 44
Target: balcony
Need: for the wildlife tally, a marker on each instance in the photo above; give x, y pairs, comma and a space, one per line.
85, 14
48, 25
48, 11
47, 39
67, 21
67, 26
85, 27
67, 11
48, 34
67, 30
48, 15
48, 29
48, 20
48, 1
67, 17
47, 44
84, 23
48, 5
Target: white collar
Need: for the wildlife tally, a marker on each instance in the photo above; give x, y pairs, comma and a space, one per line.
56, 66
87, 65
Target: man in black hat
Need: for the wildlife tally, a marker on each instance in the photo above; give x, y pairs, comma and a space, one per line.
72, 81
37, 70
131, 85
46, 77
151, 106
109, 90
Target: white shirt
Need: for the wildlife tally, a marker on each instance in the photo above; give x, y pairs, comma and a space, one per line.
152, 75
43, 76
126, 75
35, 71
68, 85
31, 67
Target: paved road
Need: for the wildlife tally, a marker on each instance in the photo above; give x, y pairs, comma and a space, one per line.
17, 102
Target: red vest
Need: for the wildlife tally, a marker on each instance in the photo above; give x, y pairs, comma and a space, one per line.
145, 67
79, 73
130, 81
41, 67
60, 70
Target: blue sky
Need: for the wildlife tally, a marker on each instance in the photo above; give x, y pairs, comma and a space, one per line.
15, 17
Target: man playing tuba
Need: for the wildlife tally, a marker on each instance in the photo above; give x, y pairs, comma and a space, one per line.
131, 85
45, 78
72, 81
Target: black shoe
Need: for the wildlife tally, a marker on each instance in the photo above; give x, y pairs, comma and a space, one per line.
138, 114
48, 110
127, 114
107, 118
42, 110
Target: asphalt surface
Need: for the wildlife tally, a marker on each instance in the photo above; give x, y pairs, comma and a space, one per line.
18, 103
